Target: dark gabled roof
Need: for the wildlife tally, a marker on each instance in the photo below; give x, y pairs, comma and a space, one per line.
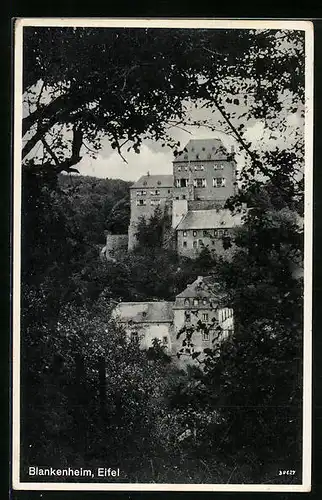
153, 181
210, 219
144, 312
206, 149
203, 286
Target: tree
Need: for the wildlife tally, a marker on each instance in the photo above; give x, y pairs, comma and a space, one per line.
134, 83
131, 84
149, 232
253, 379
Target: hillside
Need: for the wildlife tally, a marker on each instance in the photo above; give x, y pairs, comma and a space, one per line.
98, 204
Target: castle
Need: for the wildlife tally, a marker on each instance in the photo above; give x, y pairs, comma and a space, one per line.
192, 198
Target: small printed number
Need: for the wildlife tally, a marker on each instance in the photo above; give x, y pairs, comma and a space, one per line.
284, 472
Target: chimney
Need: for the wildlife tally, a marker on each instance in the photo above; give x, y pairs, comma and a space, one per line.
148, 173
232, 149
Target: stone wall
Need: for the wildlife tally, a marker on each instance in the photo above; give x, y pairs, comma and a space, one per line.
116, 244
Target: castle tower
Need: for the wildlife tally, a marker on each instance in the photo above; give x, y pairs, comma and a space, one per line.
204, 174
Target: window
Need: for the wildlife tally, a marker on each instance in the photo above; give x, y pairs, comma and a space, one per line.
200, 183
195, 302
187, 316
184, 244
205, 233
204, 301
205, 317
186, 157
194, 233
184, 233
155, 202
169, 191
134, 336
140, 193
192, 149
197, 156
177, 197
183, 196
156, 192
165, 340
225, 232
218, 166
179, 169
209, 156
216, 233
144, 183
141, 203
181, 182
194, 244
203, 149
159, 183
186, 169
219, 233
202, 167
200, 243
205, 336
219, 182
186, 302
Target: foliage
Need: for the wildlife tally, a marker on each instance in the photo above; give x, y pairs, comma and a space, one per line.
86, 391
149, 233
97, 204
253, 379
133, 83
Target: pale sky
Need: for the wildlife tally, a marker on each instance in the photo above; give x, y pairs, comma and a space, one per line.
157, 160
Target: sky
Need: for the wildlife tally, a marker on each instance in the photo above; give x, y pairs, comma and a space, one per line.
157, 160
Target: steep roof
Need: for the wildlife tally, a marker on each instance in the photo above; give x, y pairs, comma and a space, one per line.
153, 181
210, 219
203, 286
206, 149
144, 312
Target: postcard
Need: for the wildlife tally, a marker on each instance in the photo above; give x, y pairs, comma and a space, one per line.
162, 255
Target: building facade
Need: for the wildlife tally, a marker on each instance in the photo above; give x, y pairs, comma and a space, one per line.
200, 304
204, 177
210, 229
148, 193
204, 171
147, 321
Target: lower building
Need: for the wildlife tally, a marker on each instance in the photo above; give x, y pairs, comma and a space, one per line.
147, 321
200, 307
210, 229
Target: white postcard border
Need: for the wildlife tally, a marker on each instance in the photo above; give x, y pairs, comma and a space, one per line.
306, 26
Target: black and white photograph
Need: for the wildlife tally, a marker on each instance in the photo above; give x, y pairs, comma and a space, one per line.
162, 267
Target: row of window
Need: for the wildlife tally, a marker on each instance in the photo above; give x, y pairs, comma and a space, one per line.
135, 338
202, 182
197, 168
154, 192
207, 233
195, 301
142, 203
187, 316
226, 313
